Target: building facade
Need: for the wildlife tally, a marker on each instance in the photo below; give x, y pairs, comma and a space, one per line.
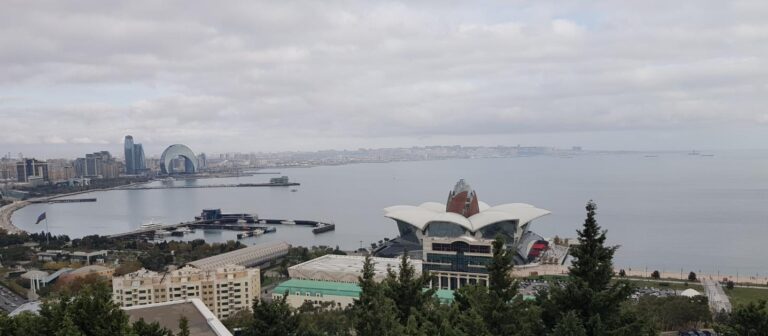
224, 290
31, 169
457, 262
454, 239
135, 162
97, 165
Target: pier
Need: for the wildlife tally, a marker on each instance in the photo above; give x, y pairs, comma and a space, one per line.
69, 200
317, 227
240, 185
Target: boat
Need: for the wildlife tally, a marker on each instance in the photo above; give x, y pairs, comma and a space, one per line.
288, 222
242, 221
294, 190
150, 225
694, 153
161, 233
169, 179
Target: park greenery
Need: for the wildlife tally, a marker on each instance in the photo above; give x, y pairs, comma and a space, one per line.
588, 302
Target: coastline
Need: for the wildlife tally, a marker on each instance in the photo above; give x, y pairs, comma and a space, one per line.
6, 212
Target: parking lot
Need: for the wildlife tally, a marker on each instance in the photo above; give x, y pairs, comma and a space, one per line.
9, 300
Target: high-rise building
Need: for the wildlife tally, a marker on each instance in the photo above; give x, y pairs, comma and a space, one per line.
139, 164
134, 157
27, 169
224, 290
128, 146
99, 164
60, 170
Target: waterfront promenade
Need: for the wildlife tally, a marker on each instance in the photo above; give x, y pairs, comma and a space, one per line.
5, 216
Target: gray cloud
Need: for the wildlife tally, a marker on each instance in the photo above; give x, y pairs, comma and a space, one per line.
307, 74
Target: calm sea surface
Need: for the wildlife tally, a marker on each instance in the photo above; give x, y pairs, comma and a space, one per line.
704, 214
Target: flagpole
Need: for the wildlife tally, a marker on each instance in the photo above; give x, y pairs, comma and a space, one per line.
47, 238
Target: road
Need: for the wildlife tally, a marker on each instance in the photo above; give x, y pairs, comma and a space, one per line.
718, 301
9, 301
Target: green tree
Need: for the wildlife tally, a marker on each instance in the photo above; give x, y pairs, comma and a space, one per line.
68, 328
500, 308
589, 292
272, 319
407, 290
569, 325
92, 312
374, 313
691, 276
656, 275
183, 326
746, 320
142, 328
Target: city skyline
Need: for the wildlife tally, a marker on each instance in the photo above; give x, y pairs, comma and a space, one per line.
272, 77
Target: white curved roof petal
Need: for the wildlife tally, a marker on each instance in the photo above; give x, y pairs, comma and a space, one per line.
420, 216
482, 205
434, 206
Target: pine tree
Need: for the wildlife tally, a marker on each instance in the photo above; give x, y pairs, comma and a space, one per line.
183, 326
407, 290
589, 292
142, 328
272, 319
374, 313
569, 325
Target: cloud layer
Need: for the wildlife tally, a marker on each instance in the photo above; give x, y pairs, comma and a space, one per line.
307, 74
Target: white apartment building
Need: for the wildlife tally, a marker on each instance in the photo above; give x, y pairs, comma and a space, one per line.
224, 290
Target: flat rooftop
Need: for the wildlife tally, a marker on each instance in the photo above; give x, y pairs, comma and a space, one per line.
342, 268
248, 256
201, 321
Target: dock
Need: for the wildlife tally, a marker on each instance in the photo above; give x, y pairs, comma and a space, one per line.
68, 200
240, 185
317, 227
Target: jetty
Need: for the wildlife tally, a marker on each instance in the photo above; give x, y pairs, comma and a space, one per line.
66, 200
240, 185
214, 219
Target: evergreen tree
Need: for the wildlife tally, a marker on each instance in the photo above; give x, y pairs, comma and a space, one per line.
142, 328
68, 328
92, 312
272, 319
569, 325
746, 320
374, 313
589, 292
408, 291
183, 326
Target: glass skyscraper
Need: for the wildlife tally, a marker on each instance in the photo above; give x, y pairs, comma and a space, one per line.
134, 157
129, 149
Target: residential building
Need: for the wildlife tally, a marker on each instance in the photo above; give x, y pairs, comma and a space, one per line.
97, 165
224, 290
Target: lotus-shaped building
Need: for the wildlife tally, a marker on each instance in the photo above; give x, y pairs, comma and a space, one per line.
464, 215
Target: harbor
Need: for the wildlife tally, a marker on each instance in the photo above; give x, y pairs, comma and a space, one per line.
213, 219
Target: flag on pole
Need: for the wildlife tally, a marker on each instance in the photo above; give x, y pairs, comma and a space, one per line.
40, 218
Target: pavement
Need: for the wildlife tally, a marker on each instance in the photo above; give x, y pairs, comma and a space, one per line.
9, 300
718, 301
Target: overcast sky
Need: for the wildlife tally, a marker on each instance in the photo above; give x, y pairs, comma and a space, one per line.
77, 76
